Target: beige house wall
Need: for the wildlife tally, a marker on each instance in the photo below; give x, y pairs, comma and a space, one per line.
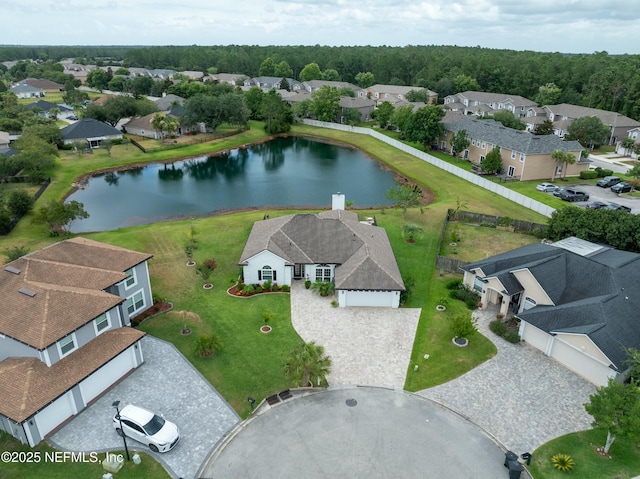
532, 288
584, 343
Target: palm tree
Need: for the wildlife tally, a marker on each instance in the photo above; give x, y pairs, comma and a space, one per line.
171, 124
158, 122
411, 230
306, 362
184, 317
557, 156
207, 345
567, 159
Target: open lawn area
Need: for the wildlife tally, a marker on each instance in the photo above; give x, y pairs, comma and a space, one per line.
624, 462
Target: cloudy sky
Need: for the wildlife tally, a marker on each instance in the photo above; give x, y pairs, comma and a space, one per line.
576, 26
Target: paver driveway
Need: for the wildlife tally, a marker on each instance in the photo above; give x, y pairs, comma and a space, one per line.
369, 346
166, 384
520, 396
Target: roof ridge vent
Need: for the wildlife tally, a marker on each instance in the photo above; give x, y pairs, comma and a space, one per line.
27, 292
13, 270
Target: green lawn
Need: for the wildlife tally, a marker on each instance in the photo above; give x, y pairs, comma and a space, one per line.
249, 362
47, 462
623, 464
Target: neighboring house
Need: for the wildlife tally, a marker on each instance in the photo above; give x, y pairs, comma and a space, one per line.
168, 102
4, 145
160, 74
93, 131
576, 301
524, 156
564, 114
22, 90
315, 85
328, 246
44, 107
78, 70
192, 75
47, 85
230, 78
392, 93
634, 134
65, 335
142, 126
482, 103
363, 105
268, 83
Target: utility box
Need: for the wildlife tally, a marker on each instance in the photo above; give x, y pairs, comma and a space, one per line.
113, 463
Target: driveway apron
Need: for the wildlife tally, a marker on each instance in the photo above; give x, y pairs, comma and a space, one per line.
166, 384
520, 396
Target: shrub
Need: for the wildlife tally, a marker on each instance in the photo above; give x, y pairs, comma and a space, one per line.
267, 285
588, 175
562, 462
207, 345
15, 252
463, 326
19, 202
471, 304
285, 288
307, 284
268, 316
512, 336
241, 286
409, 286
249, 289
487, 224
498, 327
454, 284
334, 303
505, 221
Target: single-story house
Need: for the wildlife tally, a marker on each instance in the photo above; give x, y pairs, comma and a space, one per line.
65, 335
22, 90
47, 85
576, 301
328, 246
44, 107
525, 156
90, 130
142, 126
480, 103
168, 102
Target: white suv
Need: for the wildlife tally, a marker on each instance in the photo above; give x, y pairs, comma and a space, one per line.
146, 427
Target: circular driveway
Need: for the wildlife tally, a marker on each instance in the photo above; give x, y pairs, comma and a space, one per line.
357, 432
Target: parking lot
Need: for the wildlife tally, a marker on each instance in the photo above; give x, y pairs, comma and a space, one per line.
606, 196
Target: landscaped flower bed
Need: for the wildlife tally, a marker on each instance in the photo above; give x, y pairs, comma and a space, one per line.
157, 308
247, 290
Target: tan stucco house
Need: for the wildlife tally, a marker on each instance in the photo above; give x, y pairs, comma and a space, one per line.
576, 301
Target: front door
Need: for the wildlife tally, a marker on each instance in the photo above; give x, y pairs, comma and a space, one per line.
297, 270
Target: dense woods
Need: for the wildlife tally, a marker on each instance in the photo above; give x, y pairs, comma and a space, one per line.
597, 80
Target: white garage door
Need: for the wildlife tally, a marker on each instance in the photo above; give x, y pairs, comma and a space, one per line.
535, 337
55, 414
369, 298
580, 363
108, 374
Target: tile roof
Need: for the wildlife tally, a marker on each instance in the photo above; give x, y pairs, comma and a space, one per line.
68, 279
28, 384
495, 133
362, 252
88, 128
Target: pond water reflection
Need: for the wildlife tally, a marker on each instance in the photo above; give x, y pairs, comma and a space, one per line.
292, 171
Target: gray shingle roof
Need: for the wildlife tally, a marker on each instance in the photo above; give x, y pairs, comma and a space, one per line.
362, 252
609, 118
495, 133
88, 128
593, 294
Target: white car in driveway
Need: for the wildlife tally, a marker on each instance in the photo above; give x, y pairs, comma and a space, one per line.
547, 187
146, 427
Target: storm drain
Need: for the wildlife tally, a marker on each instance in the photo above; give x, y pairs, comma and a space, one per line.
351, 402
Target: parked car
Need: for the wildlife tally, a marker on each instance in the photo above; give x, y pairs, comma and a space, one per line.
617, 207
146, 427
547, 187
558, 192
622, 187
570, 194
72, 117
596, 205
608, 181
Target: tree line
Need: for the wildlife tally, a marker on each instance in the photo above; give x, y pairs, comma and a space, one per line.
597, 80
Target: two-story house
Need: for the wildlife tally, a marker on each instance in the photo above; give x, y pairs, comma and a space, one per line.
524, 156
634, 134
482, 103
393, 93
65, 335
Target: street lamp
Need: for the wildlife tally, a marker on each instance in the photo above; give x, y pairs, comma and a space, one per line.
115, 404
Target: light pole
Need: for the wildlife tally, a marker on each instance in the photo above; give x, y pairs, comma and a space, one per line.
115, 404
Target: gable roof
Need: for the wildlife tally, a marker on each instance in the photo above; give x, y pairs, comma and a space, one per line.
485, 97
68, 279
22, 88
43, 83
46, 106
167, 102
28, 384
593, 291
609, 118
88, 128
362, 252
495, 133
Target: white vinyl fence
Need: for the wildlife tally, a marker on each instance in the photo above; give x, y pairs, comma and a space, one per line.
454, 170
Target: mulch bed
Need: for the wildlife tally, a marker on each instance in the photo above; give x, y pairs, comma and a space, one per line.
157, 308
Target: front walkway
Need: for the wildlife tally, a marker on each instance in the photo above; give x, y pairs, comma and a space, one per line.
520, 396
166, 384
367, 346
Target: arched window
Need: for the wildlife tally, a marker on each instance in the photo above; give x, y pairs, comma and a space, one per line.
266, 273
